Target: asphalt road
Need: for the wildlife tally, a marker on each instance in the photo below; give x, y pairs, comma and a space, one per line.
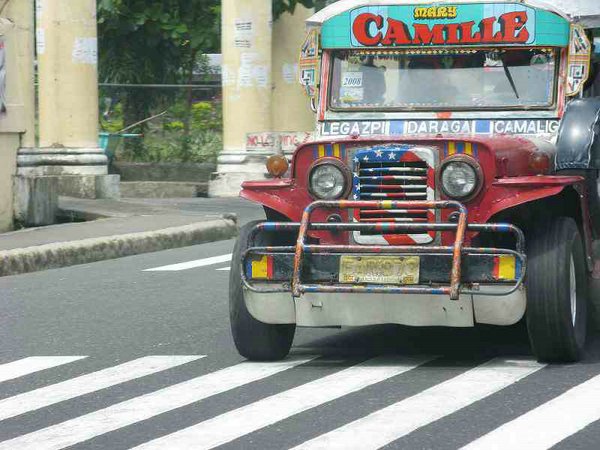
112, 356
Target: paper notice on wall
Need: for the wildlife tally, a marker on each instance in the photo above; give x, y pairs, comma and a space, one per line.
2, 77
261, 75
246, 70
247, 58
85, 51
246, 76
227, 75
40, 41
243, 35
39, 9
289, 73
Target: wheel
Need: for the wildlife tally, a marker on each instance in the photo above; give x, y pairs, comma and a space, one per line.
253, 339
591, 184
557, 292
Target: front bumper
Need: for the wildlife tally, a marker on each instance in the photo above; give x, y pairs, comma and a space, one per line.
449, 271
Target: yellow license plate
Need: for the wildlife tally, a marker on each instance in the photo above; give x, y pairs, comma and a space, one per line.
379, 269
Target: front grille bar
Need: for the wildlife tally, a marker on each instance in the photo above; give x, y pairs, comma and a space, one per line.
457, 250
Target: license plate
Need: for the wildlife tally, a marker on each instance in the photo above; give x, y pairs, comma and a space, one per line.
379, 269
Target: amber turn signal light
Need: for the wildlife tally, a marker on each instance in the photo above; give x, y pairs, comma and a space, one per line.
540, 163
277, 165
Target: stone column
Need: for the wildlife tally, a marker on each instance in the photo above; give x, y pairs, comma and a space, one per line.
17, 120
66, 41
293, 119
247, 91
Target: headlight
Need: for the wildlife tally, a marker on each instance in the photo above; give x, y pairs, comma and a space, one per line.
460, 179
328, 180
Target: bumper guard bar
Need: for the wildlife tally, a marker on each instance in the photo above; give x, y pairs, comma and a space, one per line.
457, 250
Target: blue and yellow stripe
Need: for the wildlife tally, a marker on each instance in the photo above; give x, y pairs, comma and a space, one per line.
461, 148
330, 150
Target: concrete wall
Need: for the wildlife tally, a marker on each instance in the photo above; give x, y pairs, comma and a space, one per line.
132, 171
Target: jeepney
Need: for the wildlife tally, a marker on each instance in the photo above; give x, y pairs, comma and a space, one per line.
453, 180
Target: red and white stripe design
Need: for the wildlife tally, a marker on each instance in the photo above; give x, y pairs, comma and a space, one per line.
400, 192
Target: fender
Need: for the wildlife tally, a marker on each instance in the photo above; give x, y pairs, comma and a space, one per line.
530, 189
579, 136
285, 197
274, 194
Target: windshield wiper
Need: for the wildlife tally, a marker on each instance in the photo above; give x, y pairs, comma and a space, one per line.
511, 80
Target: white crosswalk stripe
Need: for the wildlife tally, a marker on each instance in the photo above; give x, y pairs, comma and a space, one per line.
219, 430
538, 429
85, 384
391, 423
192, 264
547, 425
27, 366
147, 406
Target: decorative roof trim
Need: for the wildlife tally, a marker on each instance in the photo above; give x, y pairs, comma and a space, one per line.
587, 12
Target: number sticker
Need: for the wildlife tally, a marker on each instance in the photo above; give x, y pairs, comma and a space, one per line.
352, 79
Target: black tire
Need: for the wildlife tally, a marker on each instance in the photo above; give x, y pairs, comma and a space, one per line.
554, 335
253, 339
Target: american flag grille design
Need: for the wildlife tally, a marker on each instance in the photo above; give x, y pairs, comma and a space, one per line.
394, 172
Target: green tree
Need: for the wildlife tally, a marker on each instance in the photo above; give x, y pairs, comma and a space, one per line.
153, 42
159, 42
282, 6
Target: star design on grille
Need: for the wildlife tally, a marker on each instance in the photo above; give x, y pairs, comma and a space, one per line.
355, 197
392, 155
356, 160
378, 153
366, 158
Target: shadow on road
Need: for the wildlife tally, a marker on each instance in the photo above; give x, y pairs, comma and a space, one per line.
455, 343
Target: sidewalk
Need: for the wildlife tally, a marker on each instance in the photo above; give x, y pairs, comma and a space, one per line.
115, 229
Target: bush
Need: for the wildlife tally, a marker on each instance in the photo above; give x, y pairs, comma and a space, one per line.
164, 139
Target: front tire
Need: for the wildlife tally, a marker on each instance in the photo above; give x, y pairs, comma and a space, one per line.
253, 339
557, 292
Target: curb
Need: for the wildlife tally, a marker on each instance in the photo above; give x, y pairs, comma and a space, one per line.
64, 254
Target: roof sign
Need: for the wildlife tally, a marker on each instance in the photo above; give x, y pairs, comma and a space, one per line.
478, 24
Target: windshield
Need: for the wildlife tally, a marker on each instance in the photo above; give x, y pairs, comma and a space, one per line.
443, 79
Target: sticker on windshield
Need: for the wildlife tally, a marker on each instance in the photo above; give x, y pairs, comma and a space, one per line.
352, 95
352, 79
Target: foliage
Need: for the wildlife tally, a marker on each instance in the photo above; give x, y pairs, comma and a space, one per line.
160, 42
148, 42
164, 139
205, 147
153, 42
282, 6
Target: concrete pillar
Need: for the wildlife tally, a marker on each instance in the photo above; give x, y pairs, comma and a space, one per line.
22, 15
261, 93
291, 107
247, 82
68, 73
17, 122
66, 42
247, 89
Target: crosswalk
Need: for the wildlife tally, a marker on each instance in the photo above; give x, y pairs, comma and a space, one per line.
299, 388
